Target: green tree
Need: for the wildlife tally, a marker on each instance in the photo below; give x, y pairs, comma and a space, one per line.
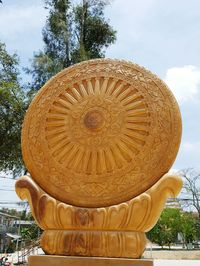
13, 104
31, 232
166, 230
189, 228
73, 33
173, 222
93, 32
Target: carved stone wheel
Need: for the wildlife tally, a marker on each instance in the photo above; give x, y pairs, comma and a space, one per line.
100, 133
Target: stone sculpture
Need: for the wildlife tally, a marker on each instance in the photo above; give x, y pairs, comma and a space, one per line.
98, 140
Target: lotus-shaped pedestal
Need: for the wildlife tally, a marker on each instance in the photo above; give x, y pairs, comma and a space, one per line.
115, 231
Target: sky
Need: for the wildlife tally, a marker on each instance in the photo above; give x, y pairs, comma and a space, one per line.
163, 36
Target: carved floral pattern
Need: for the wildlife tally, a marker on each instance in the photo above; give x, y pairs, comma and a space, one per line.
100, 133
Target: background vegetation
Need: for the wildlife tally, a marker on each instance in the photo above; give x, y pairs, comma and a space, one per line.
74, 31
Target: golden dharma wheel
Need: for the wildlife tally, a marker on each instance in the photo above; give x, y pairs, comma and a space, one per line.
100, 133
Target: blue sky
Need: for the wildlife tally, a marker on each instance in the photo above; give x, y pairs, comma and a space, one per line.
163, 36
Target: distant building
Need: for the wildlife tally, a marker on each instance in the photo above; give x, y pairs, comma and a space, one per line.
22, 223
173, 203
8, 230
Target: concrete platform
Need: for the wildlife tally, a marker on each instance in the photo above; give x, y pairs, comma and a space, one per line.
176, 262
48, 260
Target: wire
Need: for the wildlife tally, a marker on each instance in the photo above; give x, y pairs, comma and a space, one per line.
6, 177
178, 199
13, 202
6, 189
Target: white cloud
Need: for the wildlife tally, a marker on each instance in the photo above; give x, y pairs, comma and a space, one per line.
15, 21
184, 82
188, 156
190, 146
21, 23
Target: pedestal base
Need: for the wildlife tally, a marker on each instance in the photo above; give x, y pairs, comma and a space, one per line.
116, 231
112, 244
85, 261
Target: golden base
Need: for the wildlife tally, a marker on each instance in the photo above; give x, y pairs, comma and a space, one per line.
114, 231
113, 244
85, 261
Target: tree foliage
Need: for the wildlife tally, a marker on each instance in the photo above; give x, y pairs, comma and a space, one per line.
73, 33
13, 104
171, 223
30, 232
189, 228
167, 228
